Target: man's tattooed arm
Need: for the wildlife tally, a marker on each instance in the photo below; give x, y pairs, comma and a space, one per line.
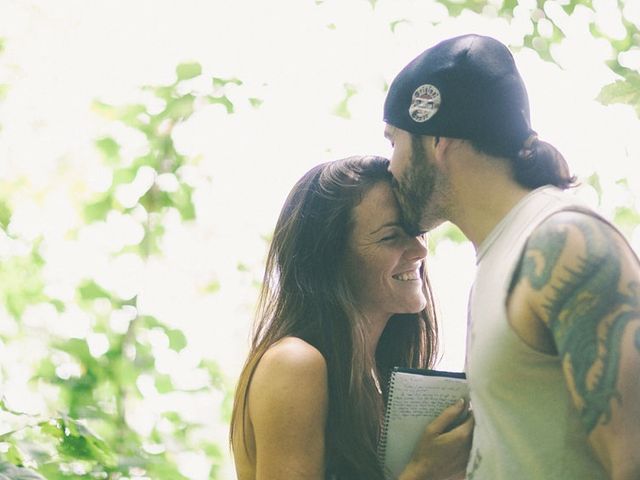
584, 284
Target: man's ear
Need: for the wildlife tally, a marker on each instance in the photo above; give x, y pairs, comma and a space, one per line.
441, 146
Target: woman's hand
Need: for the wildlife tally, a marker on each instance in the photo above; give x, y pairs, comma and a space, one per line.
442, 452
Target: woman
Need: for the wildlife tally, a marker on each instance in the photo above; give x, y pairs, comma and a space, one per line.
345, 298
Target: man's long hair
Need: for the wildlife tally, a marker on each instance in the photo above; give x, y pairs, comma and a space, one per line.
534, 165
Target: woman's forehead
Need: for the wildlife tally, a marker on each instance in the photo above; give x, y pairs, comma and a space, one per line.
377, 209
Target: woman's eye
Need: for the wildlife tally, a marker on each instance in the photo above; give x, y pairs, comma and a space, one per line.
391, 237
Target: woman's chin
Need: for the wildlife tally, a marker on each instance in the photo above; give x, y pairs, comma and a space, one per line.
414, 306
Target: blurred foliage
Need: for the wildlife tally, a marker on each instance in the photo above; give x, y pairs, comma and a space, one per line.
11, 472
90, 435
3, 92
446, 231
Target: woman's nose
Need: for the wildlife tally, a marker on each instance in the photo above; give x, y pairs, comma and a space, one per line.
417, 248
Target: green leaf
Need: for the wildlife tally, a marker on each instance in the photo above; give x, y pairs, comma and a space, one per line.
53, 427
221, 82
508, 6
173, 417
90, 290
226, 409
446, 231
212, 450
77, 348
164, 384
109, 147
164, 92
594, 181
454, 234
154, 201
256, 102
456, 7
541, 44
571, 6
625, 91
177, 339
14, 455
147, 321
215, 374
179, 108
125, 373
342, 109
211, 287
47, 370
132, 115
393, 25
626, 218
22, 282
11, 472
5, 214
80, 443
59, 305
185, 71
223, 100
150, 160
163, 470
182, 200
125, 175
98, 209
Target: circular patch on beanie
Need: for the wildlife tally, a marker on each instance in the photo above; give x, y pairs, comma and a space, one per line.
425, 103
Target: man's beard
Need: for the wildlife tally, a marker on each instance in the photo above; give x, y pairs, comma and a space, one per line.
414, 191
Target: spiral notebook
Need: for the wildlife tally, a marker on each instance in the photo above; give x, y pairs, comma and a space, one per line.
416, 397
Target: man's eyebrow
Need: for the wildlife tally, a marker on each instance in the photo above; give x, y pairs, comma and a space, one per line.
386, 225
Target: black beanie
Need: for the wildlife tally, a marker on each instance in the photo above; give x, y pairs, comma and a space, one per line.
464, 87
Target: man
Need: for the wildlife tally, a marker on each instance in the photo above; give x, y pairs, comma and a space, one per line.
553, 348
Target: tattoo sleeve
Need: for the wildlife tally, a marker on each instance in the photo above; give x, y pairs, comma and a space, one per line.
576, 264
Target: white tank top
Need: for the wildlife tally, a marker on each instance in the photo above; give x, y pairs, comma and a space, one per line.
526, 426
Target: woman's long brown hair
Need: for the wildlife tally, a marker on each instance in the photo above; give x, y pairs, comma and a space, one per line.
305, 294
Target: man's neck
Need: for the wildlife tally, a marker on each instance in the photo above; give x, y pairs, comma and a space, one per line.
479, 204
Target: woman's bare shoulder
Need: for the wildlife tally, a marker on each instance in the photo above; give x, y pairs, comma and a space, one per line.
291, 357
288, 395
290, 372
288, 402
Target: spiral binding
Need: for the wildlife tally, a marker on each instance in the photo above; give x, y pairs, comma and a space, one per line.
382, 445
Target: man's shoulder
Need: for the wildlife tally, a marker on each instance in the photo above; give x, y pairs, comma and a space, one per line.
578, 230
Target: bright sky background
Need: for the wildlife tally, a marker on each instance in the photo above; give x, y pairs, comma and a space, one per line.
297, 56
